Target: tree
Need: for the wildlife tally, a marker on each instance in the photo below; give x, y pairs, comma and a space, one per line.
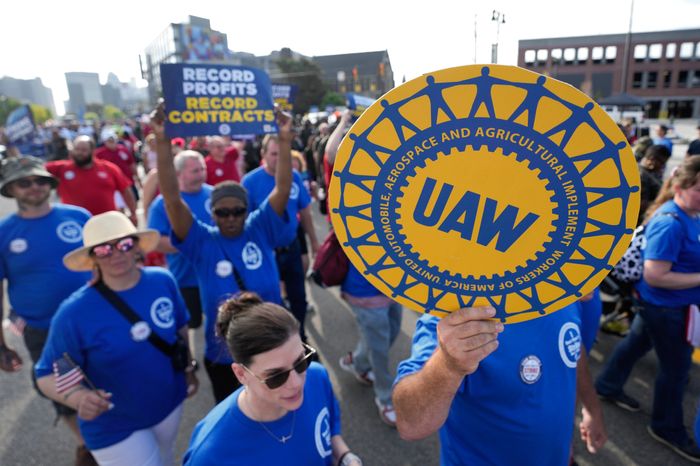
91, 116
305, 74
333, 99
112, 113
7, 105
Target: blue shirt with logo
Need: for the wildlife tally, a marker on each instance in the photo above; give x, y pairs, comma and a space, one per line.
518, 407
117, 357
200, 206
31, 258
260, 184
675, 239
253, 256
227, 436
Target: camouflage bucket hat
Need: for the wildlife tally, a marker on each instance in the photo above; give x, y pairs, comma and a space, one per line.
16, 168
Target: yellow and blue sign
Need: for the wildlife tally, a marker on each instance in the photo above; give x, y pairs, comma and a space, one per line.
204, 99
285, 95
358, 104
485, 185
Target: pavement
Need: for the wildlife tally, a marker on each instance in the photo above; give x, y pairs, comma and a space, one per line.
29, 437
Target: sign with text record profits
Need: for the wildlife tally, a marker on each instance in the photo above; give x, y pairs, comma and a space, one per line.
204, 99
485, 185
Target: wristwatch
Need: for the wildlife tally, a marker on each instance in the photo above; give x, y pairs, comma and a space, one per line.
349, 458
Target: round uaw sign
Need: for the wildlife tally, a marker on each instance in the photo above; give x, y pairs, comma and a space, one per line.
485, 185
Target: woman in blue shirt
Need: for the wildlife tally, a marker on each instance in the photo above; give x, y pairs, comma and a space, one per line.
670, 283
126, 391
238, 253
285, 412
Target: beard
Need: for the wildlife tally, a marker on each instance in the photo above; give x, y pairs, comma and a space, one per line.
82, 163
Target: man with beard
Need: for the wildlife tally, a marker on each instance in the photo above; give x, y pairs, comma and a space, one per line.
33, 242
91, 183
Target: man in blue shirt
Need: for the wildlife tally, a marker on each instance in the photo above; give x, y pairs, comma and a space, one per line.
33, 242
191, 174
259, 184
661, 139
498, 395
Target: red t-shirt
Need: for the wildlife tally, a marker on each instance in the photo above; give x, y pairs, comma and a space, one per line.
92, 188
121, 157
222, 171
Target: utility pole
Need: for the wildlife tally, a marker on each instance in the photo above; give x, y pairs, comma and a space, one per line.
628, 44
500, 18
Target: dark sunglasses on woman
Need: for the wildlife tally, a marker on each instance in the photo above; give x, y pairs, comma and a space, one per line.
225, 212
107, 249
280, 378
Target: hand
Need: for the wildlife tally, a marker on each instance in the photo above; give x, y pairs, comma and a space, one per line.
9, 360
593, 432
587, 297
158, 121
466, 337
314, 248
134, 219
93, 403
192, 383
284, 125
346, 116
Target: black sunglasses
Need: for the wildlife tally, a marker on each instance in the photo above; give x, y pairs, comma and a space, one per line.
25, 183
280, 378
107, 249
225, 212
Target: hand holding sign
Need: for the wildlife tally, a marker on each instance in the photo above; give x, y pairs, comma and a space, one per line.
284, 122
158, 121
466, 337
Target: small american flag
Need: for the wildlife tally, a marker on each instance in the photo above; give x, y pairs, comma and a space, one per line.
66, 374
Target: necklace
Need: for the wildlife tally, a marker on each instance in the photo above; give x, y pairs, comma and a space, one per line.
282, 439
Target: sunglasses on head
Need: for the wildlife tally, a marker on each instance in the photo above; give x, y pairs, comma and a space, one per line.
280, 378
25, 183
225, 212
107, 249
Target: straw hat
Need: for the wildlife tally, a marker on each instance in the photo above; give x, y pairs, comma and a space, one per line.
103, 228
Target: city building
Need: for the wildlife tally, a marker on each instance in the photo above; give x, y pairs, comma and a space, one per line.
366, 73
83, 89
661, 68
28, 91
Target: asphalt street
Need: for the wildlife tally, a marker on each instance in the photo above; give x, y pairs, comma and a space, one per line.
28, 435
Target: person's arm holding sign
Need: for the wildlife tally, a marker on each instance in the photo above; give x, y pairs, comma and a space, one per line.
465, 338
337, 136
283, 175
178, 212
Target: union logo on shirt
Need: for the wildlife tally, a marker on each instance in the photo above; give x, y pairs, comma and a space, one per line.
252, 256
69, 175
570, 344
69, 231
322, 433
294, 193
18, 245
162, 312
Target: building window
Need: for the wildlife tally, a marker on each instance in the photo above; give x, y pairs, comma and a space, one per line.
556, 56
687, 50
655, 52
582, 54
697, 51
695, 79
640, 52
569, 55
529, 57
637, 80
597, 55
542, 56
670, 51
683, 78
652, 78
667, 78
610, 53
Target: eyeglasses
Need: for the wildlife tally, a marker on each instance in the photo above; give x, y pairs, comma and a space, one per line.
102, 251
225, 212
25, 183
277, 380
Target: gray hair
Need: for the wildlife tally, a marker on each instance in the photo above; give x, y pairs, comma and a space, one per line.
181, 159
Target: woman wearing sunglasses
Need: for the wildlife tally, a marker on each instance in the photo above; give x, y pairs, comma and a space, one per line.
238, 253
126, 390
285, 412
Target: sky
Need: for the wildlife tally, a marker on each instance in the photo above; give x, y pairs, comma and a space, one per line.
48, 39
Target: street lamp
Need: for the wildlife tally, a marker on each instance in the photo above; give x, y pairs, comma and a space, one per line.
500, 18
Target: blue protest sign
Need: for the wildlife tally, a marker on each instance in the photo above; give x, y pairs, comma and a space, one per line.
284, 95
358, 103
20, 125
206, 99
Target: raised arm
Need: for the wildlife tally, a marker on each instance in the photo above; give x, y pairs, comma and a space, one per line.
465, 338
178, 212
337, 136
283, 174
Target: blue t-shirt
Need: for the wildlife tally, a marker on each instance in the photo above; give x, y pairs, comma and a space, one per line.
591, 311
676, 240
227, 436
200, 206
31, 257
496, 416
260, 184
253, 256
118, 358
357, 285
